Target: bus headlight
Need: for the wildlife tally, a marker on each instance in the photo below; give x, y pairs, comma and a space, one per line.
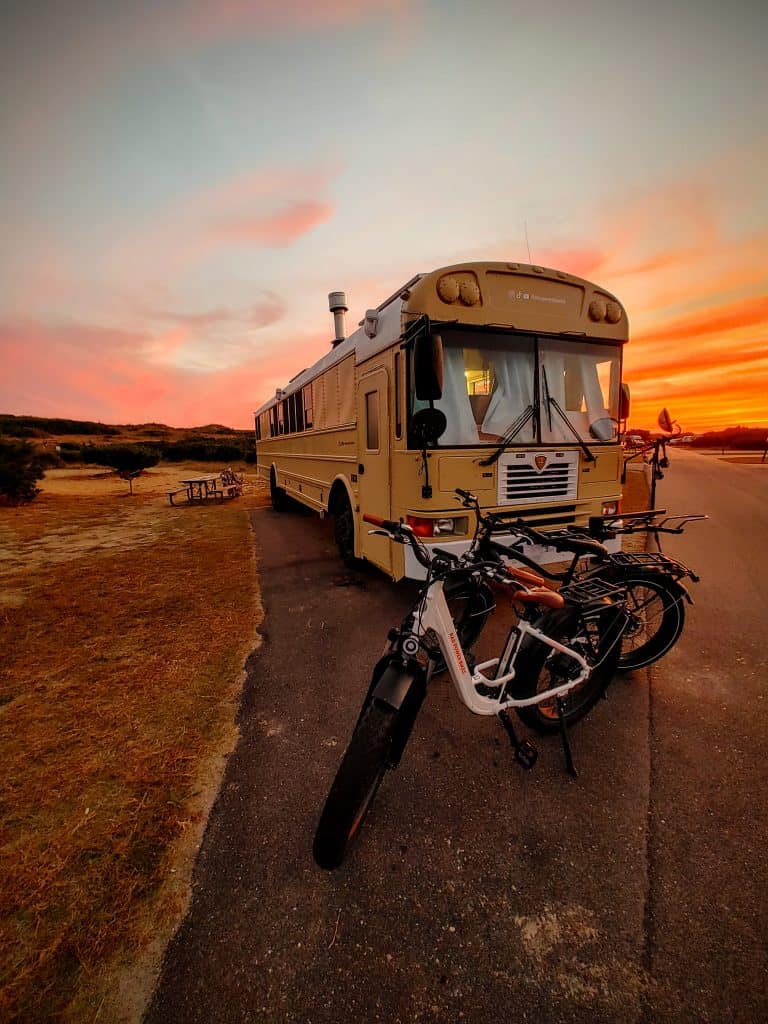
424, 527
610, 508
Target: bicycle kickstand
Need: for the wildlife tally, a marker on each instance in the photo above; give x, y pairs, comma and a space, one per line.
569, 765
524, 751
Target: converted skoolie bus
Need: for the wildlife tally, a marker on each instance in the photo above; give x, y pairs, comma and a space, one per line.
525, 364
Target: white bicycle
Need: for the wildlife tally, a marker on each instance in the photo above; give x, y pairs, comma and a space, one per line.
556, 662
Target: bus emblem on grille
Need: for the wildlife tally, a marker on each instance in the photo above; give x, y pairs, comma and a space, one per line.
540, 462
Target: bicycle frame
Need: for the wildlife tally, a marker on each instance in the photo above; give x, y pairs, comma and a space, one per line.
433, 614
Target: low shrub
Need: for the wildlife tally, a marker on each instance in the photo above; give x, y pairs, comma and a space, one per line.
21, 466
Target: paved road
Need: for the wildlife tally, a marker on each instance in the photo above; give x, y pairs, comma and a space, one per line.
708, 818
480, 893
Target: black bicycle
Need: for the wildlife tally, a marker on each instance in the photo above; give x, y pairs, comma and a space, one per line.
655, 592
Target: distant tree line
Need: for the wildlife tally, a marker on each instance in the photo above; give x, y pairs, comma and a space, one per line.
191, 449
40, 426
733, 437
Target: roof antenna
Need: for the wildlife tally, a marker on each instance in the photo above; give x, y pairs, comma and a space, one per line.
527, 244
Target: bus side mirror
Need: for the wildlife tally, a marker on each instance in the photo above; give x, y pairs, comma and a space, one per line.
665, 421
428, 367
624, 402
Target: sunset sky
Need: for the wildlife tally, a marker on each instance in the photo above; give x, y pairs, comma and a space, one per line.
184, 181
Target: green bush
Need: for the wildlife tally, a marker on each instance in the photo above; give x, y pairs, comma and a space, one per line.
208, 449
123, 458
20, 468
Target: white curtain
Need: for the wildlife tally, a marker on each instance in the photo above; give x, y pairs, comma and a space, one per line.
601, 426
553, 365
512, 395
461, 428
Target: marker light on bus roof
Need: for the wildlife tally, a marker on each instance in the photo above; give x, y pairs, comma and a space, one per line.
448, 289
469, 293
613, 312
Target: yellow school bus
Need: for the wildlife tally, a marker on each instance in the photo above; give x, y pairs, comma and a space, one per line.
500, 378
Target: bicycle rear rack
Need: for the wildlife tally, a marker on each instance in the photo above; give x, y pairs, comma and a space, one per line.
653, 560
644, 558
590, 593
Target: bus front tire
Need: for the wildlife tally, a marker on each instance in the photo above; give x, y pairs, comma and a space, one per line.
344, 531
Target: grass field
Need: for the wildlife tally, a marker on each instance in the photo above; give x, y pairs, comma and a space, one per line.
124, 625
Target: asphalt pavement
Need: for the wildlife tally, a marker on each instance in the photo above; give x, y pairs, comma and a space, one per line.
478, 892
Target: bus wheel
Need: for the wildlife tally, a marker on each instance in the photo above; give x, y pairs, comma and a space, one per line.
344, 531
277, 494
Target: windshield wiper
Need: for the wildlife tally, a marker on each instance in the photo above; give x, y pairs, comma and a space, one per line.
552, 403
509, 435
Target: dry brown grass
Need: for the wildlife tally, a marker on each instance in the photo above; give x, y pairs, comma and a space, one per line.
112, 698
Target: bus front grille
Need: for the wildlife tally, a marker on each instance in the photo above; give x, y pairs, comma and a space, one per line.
526, 478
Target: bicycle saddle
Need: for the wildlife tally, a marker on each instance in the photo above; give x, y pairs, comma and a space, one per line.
539, 595
562, 541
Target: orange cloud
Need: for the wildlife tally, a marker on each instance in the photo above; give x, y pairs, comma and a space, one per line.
87, 372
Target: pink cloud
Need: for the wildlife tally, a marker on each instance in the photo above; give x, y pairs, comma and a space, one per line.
283, 227
194, 23
270, 208
269, 310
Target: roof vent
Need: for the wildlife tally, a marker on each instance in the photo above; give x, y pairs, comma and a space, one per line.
337, 303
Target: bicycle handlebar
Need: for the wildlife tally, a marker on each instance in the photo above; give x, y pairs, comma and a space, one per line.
401, 533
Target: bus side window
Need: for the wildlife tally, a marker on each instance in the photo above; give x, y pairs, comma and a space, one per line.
372, 421
258, 428
398, 389
307, 396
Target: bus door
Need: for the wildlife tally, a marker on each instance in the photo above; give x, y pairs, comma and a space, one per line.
374, 479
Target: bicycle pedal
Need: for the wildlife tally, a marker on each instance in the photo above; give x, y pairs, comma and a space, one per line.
526, 754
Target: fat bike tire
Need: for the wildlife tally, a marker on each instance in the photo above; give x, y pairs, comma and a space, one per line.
357, 781
656, 609
539, 668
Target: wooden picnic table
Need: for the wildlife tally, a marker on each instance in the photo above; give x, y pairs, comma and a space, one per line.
214, 485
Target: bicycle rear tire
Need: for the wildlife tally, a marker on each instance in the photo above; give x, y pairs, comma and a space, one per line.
539, 668
656, 608
357, 781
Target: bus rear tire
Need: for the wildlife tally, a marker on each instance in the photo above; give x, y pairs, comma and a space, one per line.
277, 494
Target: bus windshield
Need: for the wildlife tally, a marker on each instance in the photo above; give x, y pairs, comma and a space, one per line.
489, 388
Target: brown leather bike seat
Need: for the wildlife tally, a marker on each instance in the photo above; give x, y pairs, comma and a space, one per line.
539, 595
531, 579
